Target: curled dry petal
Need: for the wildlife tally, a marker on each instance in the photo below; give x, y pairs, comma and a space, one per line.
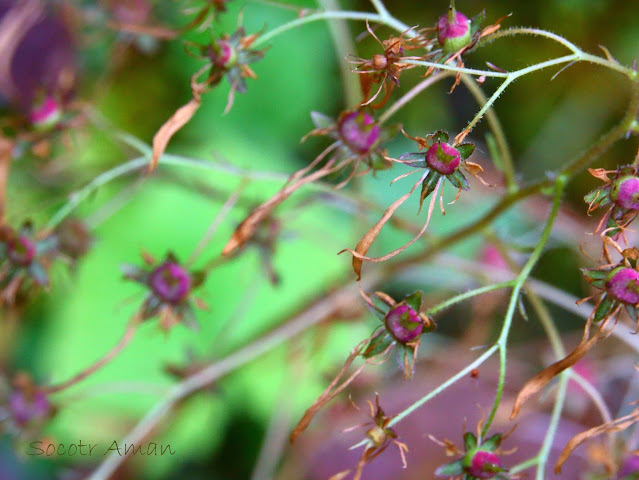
331, 391
246, 229
614, 426
359, 254
540, 380
161, 139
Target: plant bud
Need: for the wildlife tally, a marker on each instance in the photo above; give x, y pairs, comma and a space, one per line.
403, 323
359, 131
623, 285
453, 31
170, 282
443, 158
484, 464
625, 192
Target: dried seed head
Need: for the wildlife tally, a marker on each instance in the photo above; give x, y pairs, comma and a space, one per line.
45, 114
443, 158
26, 408
377, 436
359, 131
453, 31
483, 464
21, 250
623, 285
380, 62
170, 282
403, 323
625, 192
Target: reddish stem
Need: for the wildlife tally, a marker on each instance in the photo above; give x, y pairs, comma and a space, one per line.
126, 339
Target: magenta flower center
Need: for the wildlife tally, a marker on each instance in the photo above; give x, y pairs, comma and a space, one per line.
170, 282
443, 158
46, 113
404, 323
226, 56
452, 26
623, 285
359, 131
484, 465
625, 193
25, 410
21, 250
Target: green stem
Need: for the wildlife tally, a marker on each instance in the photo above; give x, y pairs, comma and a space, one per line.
580, 162
502, 342
558, 349
498, 132
552, 426
139, 163
466, 295
381, 8
531, 462
433, 393
327, 15
583, 56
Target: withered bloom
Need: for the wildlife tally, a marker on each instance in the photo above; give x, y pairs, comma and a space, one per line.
230, 56
379, 437
403, 323
170, 287
386, 68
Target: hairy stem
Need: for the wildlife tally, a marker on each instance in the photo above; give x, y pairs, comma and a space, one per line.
502, 342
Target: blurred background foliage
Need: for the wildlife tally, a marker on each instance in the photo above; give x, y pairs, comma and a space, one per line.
136, 83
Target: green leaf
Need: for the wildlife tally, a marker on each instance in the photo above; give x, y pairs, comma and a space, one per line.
322, 121
605, 307
458, 180
428, 185
378, 344
477, 22
440, 136
450, 469
470, 441
465, 150
414, 300
417, 159
491, 444
592, 274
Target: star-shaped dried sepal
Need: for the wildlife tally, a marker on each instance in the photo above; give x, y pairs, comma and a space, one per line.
170, 286
403, 325
385, 68
229, 56
358, 138
619, 195
480, 458
457, 35
379, 437
441, 161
